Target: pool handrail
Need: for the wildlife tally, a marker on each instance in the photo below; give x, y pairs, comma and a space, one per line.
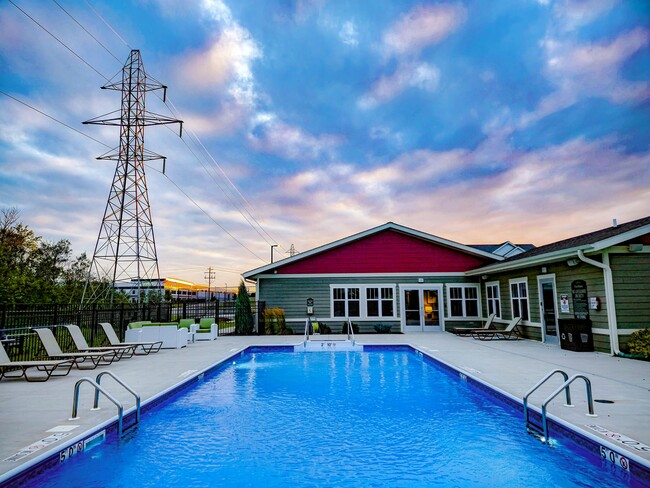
350, 331
75, 400
590, 401
540, 383
125, 386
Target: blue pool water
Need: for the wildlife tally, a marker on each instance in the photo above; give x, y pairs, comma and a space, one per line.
331, 419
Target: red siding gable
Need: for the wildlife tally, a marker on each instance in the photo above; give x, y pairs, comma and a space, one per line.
388, 251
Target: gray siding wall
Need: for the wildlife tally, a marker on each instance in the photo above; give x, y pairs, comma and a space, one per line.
291, 294
631, 275
564, 276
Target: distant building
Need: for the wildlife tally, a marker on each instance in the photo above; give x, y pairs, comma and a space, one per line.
175, 288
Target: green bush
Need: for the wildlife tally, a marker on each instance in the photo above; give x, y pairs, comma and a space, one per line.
383, 328
639, 342
274, 321
243, 314
344, 329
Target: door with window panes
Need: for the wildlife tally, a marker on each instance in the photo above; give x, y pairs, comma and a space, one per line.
421, 308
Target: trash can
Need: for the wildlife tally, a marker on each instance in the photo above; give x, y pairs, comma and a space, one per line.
576, 335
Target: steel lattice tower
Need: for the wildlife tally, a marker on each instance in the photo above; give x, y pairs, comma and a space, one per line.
126, 247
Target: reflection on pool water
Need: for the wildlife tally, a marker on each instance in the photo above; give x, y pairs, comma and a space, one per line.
384, 418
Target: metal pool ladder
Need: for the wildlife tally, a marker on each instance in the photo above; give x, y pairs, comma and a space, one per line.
98, 390
543, 429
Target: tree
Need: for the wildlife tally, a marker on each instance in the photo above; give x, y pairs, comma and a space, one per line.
243, 313
33, 270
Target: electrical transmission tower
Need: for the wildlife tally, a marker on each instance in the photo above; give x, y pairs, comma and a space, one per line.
126, 249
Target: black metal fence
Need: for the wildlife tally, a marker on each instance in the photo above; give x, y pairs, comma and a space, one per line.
22, 344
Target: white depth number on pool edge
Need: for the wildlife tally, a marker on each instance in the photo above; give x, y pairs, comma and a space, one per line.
614, 457
68, 452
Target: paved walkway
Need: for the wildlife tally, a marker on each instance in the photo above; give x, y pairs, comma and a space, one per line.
30, 412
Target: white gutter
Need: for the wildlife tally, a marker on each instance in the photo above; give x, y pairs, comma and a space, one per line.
609, 298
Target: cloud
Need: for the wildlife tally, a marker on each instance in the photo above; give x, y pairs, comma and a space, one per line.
525, 196
226, 120
407, 75
572, 14
422, 26
271, 135
579, 71
348, 34
226, 62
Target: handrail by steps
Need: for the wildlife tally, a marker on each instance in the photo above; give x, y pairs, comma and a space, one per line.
75, 401
126, 387
540, 383
590, 401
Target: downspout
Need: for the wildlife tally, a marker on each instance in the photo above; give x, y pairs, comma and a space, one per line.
609, 298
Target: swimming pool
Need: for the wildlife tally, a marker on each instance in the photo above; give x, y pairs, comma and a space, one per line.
378, 418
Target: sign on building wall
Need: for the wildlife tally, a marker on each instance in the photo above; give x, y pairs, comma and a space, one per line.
580, 299
564, 303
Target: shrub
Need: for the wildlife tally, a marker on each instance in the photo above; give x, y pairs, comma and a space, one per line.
243, 313
344, 329
275, 322
383, 328
639, 342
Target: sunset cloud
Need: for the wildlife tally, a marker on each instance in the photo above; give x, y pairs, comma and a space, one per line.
422, 26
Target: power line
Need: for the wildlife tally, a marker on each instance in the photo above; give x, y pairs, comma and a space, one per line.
58, 40
208, 215
172, 111
150, 167
238, 207
216, 181
87, 32
108, 25
54, 119
197, 141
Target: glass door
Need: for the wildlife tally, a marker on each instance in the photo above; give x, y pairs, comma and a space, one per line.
421, 308
548, 309
412, 308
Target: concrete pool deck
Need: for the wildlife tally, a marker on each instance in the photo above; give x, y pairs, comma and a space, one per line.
32, 412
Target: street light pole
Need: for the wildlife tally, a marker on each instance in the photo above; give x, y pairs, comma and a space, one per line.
272, 246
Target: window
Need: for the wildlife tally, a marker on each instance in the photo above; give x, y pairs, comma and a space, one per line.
519, 298
493, 298
379, 302
345, 302
463, 301
363, 301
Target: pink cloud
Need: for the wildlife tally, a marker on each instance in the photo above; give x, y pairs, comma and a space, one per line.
422, 26
539, 196
407, 75
274, 136
590, 70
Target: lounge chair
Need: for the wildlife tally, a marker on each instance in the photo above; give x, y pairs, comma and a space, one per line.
89, 360
82, 346
141, 348
208, 330
466, 331
510, 332
22, 367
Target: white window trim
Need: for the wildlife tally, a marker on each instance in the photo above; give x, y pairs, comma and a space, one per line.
512, 308
487, 300
363, 306
478, 300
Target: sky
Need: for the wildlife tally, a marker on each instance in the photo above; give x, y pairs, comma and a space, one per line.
306, 121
